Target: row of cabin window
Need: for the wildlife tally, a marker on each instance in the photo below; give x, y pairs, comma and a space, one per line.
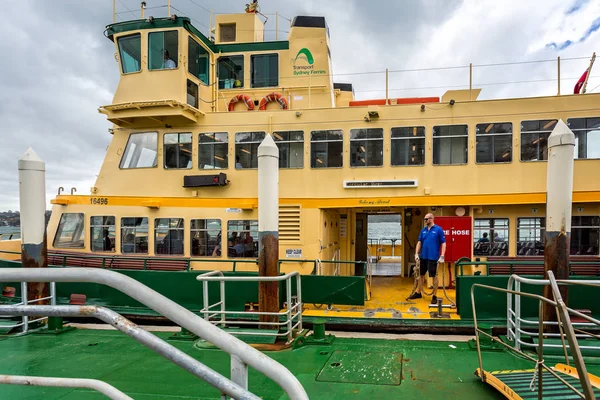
169, 235
163, 51
494, 143
491, 236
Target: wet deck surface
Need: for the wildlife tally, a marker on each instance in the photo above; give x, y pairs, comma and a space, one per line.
388, 301
351, 368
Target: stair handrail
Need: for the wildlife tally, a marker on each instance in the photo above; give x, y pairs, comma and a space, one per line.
168, 308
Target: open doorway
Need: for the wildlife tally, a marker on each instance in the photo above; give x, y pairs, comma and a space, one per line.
379, 240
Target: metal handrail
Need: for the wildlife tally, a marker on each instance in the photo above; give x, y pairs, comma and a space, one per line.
564, 321
144, 337
460, 264
168, 308
292, 311
93, 384
25, 322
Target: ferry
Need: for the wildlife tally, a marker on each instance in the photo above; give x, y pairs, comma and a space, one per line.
175, 208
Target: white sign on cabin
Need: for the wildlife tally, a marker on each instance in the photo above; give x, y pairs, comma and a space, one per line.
293, 253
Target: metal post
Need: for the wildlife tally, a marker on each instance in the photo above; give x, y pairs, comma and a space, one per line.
32, 202
169, 8
268, 228
288, 295
114, 11
559, 196
143, 8
276, 26
387, 85
558, 65
470, 80
239, 372
24, 301
205, 300
539, 366
589, 71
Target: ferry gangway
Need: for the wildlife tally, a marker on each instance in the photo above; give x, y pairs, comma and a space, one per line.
552, 382
242, 354
290, 320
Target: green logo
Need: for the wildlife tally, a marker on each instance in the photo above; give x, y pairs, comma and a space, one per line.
305, 53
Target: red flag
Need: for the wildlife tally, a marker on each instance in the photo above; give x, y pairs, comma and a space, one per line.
580, 82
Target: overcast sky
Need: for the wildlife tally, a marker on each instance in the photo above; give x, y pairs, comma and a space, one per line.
58, 68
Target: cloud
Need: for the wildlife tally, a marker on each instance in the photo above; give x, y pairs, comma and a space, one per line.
59, 68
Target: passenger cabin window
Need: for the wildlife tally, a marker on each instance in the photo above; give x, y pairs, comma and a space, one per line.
206, 237
199, 61
366, 147
493, 143
178, 150
168, 236
450, 144
70, 233
587, 136
230, 71
134, 235
530, 236
291, 148
242, 238
408, 145
491, 237
265, 70
163, 50
141, 151
212, 150
102, 232
534, 139
585, 234
246, 149
326, 149
130, 48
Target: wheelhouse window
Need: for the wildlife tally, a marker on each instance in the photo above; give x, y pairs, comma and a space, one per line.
242, 238
168, 236
493, 143
534, 139
130, 48
408, 145
366, 147
587, 136
134, 235
206, 237
163, 50
70, 233
199, 61
192, 94
326, 149
102, 232
530, 236
230, 71
212, 150
246, 149
265, 70
141, 151
291, 148
585, 233
178, 150
490, 236
450, 144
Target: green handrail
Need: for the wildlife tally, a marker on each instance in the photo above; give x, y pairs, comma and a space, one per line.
512, 263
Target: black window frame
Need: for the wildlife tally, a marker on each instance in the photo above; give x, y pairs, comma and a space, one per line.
581, 145
203, 234
494, 247
542, 128
194, 63
284, 144
131, 230
579, 225
173, 57
77, 240
439, 135
249, 227
401, 137
174, 245
130, 141
329, 141
249, 154
213, 146
180, 147
361, 148
121, 49
493, 132
100, 226
531, 244
239, 75
268, 82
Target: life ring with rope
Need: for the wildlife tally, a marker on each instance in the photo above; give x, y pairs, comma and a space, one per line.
273, 97
241, 97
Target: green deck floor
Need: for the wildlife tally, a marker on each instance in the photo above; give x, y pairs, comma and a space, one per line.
368, 368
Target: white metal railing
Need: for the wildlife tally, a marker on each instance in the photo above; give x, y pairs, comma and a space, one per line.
25, 321
217, 314
517, 326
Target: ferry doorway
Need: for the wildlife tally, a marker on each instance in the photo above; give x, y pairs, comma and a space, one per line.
379, 241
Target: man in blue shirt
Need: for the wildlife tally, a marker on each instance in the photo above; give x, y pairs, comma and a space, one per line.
431, 239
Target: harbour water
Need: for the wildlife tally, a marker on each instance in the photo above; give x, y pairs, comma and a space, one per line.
9, 232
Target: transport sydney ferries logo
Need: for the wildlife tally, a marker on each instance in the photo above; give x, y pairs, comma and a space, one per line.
303, 63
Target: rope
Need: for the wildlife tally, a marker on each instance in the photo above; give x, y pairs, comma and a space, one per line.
535, 372
417, 273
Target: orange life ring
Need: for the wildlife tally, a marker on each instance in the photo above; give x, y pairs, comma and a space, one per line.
241, 97
273, 97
